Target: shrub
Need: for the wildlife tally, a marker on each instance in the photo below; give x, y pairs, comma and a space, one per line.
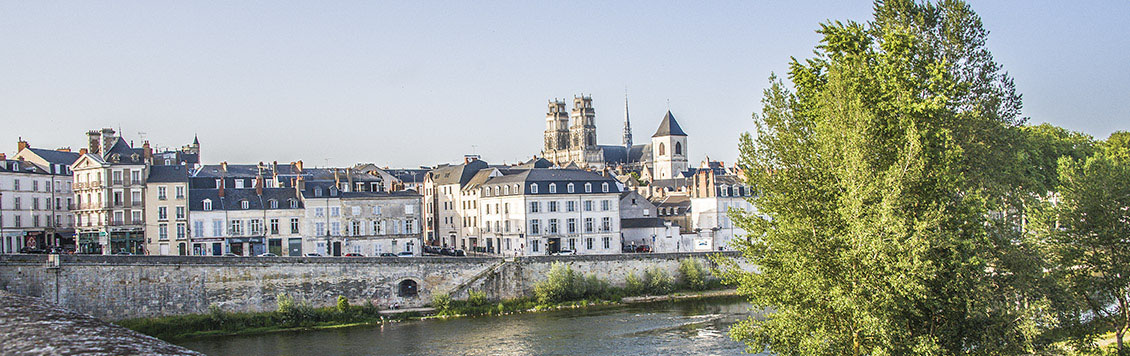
562, 284
342, 304
692, 274
633, 285
441, 301
477, 298
285, 303
656, 281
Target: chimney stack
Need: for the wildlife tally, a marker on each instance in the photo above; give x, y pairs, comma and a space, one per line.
63, 149
3, 157
21, 145
107, 134
83, 151
259, 185
300, 184
148, 151
93, 144
298, 166
224, 166
222, 184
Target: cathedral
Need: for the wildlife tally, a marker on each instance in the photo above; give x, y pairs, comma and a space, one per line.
570, 139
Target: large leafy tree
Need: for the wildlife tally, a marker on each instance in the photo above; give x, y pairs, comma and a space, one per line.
1087, 235
879, 173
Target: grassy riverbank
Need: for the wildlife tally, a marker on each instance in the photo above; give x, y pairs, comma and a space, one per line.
561, 289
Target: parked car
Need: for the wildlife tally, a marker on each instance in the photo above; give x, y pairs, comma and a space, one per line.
268, 254
406, 254
388, 254
121, 253
447, 251
354, 255
628, 249
566, 252
459, 253
229, 254
643, 248
313, 254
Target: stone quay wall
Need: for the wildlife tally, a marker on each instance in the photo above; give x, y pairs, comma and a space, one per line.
123, 287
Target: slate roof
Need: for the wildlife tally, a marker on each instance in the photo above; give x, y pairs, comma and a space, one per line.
396, 194
536, 163
233, 171
615, 154
16, 166
408, 175
544, 176
232, 198
56, 157
168, 174
640, 153
669, 127
460, 173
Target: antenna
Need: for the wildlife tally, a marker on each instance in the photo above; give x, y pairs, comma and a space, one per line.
141, 135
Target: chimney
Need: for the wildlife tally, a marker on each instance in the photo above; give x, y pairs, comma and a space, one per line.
148, 151
63, 149
466, 160
298, 166
259, 185
107, 134
21, 145
3, 157
222, 184
83, 151
300, 184
92, 144
224, 166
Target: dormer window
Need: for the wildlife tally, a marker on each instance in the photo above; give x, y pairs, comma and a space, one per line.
207, 204
534, 188
274, 203
318, 191
293, 203
333, 191
588, 187
604, 187
552, 188
244, 204
569, 188
506, 190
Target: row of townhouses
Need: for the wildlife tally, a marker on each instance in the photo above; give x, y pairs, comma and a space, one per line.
579, 197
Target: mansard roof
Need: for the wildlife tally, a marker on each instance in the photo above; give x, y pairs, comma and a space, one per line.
669, 127
167, 174
55, 156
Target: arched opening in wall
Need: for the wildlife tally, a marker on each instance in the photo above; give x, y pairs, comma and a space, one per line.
678, 148
662, 151
408, 289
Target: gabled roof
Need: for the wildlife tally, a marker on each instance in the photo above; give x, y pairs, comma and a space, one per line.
669, 127
454, 174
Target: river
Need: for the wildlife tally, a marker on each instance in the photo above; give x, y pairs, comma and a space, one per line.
666, 328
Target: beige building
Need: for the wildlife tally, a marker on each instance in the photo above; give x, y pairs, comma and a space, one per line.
109, 190
166, 211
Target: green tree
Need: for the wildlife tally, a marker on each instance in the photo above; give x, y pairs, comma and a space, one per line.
1088, 242
878, 175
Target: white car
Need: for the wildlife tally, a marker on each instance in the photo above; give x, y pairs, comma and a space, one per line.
406, 254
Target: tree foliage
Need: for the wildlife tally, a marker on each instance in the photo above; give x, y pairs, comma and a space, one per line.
879, 172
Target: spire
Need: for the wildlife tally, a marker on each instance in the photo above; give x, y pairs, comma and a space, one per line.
195, 140
627, 139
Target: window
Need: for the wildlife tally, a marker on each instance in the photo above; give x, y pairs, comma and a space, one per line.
607, 242
570, 206
588, 187
319, 212
534, 206
536, 245
16, 184
679, 148
552, 188
569, 187
588, 205
135, 216
180, 192
320, 228
162, 193
376, 210
163, 213
534, 188
335, 228
256, 227
553, 206
605, 224
604, 187
207, 204
180, 213
180, 231
34, 185
410, 209
552, 226
507, 225
294, 225
335, 211
274, 226
117, 177
238, 184
197, 229
588, 224
135, 176
243, 204
293, 204
135, 198
605, 205
662, 149
236, 227
217, 228
274, 204
535, 227
162, 231
355, 228
506, 190
571, 225
588, 243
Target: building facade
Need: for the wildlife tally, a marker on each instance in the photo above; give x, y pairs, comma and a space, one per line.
167, 211
109, 186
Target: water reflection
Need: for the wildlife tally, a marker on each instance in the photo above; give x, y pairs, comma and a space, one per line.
682, 328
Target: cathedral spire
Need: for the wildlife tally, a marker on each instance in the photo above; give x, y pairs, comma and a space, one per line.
627, 139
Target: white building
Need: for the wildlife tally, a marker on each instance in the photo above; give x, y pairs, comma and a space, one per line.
54, 195
246, 222
381, 222
449, 212
542, 211
713, 195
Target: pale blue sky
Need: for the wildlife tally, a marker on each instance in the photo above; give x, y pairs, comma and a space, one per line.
410, 83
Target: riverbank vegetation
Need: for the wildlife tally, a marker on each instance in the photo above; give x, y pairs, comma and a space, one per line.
905, 207
290, 314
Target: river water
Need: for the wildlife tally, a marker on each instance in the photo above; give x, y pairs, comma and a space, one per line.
666, 328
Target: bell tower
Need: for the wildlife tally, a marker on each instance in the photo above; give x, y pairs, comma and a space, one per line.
668, 149
556, 129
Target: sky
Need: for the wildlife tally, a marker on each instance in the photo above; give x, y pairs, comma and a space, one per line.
412, 83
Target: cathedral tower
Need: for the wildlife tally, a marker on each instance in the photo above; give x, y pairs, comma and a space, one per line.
556, 128
584, 123
627, 139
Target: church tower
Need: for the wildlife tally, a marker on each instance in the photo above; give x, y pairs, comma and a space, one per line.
668, 149
556, 128
583, 149
627, 139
